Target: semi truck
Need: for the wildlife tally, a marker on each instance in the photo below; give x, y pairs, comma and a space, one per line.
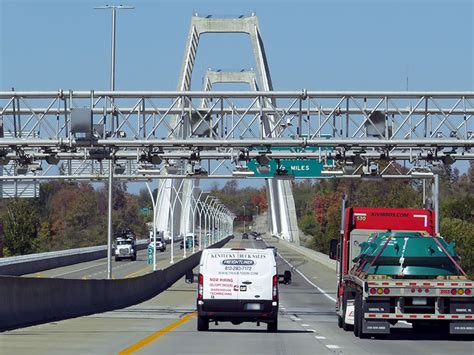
394, 267
125, 247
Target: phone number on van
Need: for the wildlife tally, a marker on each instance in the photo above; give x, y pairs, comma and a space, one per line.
238, 268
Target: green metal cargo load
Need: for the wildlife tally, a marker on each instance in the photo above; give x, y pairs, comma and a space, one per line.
406, 254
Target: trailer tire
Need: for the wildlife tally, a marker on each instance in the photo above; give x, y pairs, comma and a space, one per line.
339, 321
358, 315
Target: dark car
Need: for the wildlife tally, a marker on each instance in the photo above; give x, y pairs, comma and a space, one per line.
245, 236
189, 244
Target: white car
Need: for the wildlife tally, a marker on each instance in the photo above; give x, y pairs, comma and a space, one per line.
238, 285
160, 245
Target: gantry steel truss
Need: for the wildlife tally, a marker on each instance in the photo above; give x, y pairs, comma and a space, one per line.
350, 128
425, 122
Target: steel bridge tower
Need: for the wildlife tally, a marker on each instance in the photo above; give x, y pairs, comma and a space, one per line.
279, 192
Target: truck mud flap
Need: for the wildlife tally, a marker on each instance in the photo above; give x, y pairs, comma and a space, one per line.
461, 328
375, 327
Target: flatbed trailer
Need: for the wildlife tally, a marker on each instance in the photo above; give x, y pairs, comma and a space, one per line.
369, 303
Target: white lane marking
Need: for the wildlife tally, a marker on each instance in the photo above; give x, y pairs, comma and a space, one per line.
320, 337
332, 346
305, 325
308, 280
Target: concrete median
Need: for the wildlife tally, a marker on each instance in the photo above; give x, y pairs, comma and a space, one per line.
28, 301
29, 264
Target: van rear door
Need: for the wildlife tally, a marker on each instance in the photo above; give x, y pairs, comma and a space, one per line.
220, 281
256, 276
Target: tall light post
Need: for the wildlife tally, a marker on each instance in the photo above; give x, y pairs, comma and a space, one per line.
244, 217
155, 211
177, 198
212, 207
194, 208
114, 9
207, 217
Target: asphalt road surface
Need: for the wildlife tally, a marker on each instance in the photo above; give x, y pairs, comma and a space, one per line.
97, 269
166, 324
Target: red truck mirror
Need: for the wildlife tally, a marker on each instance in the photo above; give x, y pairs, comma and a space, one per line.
333, 249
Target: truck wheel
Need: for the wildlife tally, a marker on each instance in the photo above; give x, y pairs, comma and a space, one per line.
346, 327
357, 315
273, 325
339, 321
117, 258
202, 324
134, 258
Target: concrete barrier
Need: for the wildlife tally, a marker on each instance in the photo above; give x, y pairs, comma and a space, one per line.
29, 264
27, 301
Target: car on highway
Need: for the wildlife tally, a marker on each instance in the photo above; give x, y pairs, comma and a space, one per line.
259, 237
189, 243
160, 245
245, 236
238, 285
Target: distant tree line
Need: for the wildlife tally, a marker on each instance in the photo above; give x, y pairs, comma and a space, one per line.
318, 205
66, 215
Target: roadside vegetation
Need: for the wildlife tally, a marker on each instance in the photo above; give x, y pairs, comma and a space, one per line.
66, 215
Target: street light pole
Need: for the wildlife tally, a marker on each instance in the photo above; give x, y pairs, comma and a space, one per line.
111, 163
244, 217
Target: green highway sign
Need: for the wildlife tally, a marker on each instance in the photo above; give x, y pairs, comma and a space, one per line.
144, 211
305, 168
298, 168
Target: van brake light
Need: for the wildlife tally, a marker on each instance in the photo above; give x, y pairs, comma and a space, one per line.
275, 288
200, 286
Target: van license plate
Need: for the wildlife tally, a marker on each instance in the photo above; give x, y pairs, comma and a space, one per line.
252, 306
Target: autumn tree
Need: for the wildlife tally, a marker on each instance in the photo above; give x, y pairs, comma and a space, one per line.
20, 223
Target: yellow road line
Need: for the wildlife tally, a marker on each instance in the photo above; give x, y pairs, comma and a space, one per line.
156, 335
137, 272
39, 274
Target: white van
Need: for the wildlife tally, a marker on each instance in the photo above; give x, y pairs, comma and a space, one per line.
238, 285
